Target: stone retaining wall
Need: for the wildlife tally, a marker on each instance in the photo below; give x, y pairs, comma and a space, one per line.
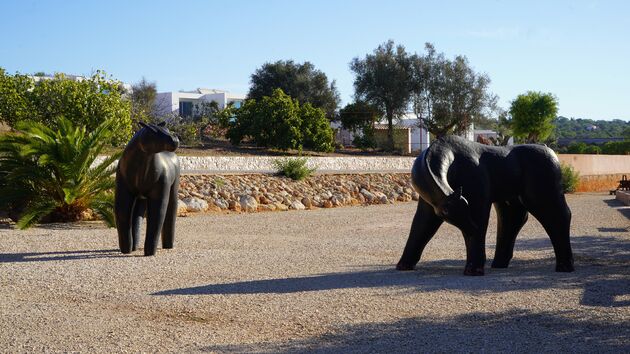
265, 164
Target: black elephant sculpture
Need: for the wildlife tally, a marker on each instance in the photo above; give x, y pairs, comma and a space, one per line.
459, 180
147, 181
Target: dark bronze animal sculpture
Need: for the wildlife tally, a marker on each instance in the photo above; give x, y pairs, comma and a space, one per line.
147, 180
459, 180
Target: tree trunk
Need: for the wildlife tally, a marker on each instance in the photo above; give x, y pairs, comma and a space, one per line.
390, 131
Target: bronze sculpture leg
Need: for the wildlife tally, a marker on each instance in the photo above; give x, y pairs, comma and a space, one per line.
510, 220
424, 226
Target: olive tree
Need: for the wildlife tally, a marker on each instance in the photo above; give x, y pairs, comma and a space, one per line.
383, 79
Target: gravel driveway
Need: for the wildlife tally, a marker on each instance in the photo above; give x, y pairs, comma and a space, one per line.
320, 280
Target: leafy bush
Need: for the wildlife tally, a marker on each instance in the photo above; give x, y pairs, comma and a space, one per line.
187, 132
279, 122
570, 178
318, 135
46, 174
294, 168
592, 149
616, 148
88, 102
576, 148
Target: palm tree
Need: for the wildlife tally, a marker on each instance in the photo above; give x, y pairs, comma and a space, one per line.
47, 174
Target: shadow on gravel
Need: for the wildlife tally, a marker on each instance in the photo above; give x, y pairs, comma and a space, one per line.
515, 331
619, 206
602, 271
58, 256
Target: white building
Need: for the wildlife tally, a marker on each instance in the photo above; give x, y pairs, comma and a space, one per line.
183, 103
418, 137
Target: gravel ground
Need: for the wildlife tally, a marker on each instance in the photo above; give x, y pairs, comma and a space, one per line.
319, 280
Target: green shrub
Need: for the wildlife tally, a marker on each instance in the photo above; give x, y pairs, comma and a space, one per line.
87, 102
47, 174
616, 148
576, 148
592, 149
187, 132
280, 122
294, 168
570, 178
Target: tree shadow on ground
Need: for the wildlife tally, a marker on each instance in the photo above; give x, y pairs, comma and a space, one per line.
515, 331
59, 256
619, 206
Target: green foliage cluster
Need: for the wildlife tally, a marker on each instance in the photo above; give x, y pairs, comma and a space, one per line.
278, 121
570, 178
616, 148
47, 173
88, 102
588, 128
294, 168
446, 95
532, 116
359, 117
143, 95
300, 81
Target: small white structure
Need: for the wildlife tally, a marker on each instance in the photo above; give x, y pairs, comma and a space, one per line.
417, 141
184, 103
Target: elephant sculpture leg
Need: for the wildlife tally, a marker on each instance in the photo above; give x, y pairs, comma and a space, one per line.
511, 216
168, 231
555, 217
139, 209
156, 211
475, 239
123, 206
424, 226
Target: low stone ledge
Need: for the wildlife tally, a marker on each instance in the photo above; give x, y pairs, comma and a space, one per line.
265, 164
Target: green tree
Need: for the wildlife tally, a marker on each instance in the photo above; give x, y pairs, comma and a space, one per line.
87, 101
48, 174
143, 95
359, 117
274, 121
383, 79
316, 131
300, 81
533, 114
278, 121
448, 95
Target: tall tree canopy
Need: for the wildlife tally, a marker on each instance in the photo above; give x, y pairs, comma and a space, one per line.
143, 94
383, 79
448, 95
533, 114
300, 81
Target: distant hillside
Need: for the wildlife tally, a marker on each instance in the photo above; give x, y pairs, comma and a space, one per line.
570, 128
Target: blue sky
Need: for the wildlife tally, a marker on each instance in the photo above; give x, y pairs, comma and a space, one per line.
577, 50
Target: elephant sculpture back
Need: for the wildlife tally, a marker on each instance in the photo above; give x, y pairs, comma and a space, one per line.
147, 181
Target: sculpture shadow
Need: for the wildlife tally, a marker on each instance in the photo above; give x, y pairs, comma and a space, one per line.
619, 206
430, 276
476, 332
58, 256
603, 273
